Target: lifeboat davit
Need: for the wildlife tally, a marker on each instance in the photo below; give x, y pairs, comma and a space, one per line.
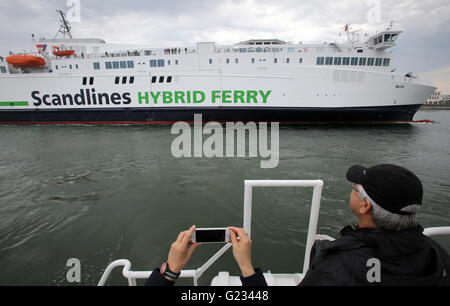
25, 61
58, 52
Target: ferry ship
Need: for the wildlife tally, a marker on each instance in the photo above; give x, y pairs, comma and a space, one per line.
87, 81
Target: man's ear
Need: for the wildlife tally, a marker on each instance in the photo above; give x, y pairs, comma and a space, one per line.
364, 207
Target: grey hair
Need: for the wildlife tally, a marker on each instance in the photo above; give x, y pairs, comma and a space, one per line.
389, 221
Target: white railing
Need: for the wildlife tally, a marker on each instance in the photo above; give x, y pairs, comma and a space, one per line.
248, 192
435, 231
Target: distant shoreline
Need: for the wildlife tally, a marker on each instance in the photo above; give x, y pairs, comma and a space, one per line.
435, 107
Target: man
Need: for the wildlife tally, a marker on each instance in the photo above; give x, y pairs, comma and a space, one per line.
385, 199
386, 248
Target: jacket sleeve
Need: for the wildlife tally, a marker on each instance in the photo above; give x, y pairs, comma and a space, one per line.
256, 279
156, 279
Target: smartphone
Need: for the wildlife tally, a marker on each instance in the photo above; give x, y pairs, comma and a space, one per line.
211, 235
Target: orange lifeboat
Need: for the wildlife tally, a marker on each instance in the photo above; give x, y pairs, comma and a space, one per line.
25, 61
58, 52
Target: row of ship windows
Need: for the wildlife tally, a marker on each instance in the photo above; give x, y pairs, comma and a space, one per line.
130, 80
65, 67
275, 60
353, 61
124, 80
161, 79
130, 64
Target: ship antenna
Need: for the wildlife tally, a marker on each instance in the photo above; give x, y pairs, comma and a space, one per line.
64, 27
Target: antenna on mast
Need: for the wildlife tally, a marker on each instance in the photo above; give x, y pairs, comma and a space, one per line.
64, 27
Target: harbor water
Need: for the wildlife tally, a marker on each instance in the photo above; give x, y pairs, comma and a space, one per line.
101, 193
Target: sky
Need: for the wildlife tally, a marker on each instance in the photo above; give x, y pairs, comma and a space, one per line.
423, 47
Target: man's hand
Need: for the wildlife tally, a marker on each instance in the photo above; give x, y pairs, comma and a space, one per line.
180, 253
242, 250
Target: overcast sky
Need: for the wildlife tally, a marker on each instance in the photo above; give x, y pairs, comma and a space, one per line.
423, 47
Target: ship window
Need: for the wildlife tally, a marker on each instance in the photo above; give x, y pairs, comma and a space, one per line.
84, 81
160, 63
394, 37
123, 64
378, 61
152, 63
354, 61
236, 60
56, 67
337, 60
300, 60
2, 69
328, 60
108, 65
275, 60
386, 61
287, 60
291, 49
130, 64
253, 60
370, 61
210, 61
115, 65
117, 80
161, 79
132, 80
387, 37
124, 80
228, 60
96, 66
91, 81
380, 39
359, 50
153, 79
258, 49
76, 66
169, 79
176, 62
362, 61
346, 61
320, 60
168, 62
275, 49
70, 66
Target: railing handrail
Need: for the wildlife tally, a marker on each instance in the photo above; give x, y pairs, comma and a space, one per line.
314, 214
434, 231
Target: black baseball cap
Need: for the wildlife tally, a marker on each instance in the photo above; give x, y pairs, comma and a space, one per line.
391, 187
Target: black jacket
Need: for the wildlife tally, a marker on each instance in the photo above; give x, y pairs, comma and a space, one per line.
406, 258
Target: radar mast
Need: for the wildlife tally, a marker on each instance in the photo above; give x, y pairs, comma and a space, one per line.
64, 28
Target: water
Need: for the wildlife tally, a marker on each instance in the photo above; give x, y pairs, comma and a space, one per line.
100, 193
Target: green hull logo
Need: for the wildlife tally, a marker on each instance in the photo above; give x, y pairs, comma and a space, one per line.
196, 96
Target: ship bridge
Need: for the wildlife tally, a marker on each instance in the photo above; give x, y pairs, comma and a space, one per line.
262, 42
383, 40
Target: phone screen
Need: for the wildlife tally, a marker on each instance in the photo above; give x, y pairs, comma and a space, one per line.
210, 235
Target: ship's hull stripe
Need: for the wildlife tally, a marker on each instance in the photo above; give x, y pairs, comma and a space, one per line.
222, 114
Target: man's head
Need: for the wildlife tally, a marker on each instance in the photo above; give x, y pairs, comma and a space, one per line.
385, 196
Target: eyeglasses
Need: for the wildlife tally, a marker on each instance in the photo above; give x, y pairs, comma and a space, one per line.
356, 189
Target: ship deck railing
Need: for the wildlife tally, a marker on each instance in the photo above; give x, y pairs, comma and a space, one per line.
224, 278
